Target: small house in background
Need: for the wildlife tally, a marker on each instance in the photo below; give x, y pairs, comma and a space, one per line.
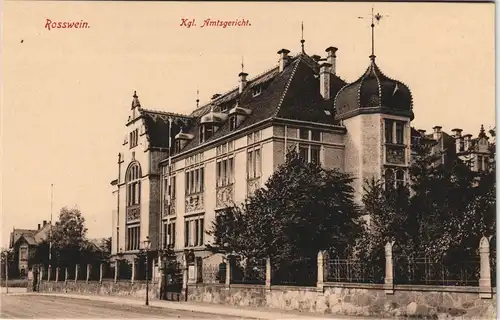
24, 243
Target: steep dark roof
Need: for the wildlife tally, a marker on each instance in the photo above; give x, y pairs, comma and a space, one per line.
291, 94
374, 90
157, 126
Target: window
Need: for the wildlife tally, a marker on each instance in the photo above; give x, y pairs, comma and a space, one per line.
195, 180
253, 163
310, 153
304, 134
256, 91
133, 181
479, 163
232, 123
389, 178
23, 254
388, 131
400, 178
253, 137
194, 231
169, 234
206, 132
133, 237
315, 135
224, 171
134, 136
400, 133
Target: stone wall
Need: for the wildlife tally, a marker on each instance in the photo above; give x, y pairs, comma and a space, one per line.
106, 288
361, 300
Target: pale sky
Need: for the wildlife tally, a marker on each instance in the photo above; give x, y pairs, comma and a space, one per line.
66, 93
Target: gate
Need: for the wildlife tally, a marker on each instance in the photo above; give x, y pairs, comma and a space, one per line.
173, 281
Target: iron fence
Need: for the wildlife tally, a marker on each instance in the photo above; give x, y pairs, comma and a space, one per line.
427, 271
71, 272
124, 270
253, 272
303, 272
354, 270
108, 271
493, 264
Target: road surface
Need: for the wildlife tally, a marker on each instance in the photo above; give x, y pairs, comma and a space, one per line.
33, 306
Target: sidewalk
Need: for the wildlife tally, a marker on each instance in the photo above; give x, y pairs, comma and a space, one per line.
236, 311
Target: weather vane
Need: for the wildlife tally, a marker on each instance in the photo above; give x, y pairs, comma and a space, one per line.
375, 18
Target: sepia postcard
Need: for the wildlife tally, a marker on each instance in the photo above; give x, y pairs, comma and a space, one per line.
248, 160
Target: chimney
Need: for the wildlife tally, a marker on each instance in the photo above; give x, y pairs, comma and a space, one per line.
44, 223
324, 80
315, 57
283, 58
437, 132
331, 58
467, 141
38, 226
457, 133
243, 80
421, 131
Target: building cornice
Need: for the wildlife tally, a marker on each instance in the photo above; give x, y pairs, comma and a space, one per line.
382, 110
329, 127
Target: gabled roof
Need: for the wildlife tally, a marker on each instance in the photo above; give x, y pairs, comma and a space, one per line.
18, 233
291, 94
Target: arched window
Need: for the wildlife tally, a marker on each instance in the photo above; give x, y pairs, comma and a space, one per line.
389, 178
133, 181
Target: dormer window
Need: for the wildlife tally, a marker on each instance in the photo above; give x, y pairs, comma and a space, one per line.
232, 123
256, 91
206, 132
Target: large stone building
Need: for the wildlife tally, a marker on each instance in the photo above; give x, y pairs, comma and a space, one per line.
174, 171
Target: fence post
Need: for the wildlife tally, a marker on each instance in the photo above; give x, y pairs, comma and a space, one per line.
389, 278
49, 269
101, 272
77, 269
322, 263
117, 264
268, 273
229, 268
88, 272
485, 269
57, 274
66, 275
133, 270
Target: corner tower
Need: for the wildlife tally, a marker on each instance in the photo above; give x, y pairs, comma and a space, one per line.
377, 111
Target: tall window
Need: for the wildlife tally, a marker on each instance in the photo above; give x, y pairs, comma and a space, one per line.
194, 229
388, 128
400, 137
133, 181
400, 178
224, 171
254, 163
169, 234
389, 178
134, 137
195, 181
394, 178
310, 153
133, 237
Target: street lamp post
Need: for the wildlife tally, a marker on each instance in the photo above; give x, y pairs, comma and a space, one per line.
147, 246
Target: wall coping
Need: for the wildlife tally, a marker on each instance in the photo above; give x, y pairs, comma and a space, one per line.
406, 287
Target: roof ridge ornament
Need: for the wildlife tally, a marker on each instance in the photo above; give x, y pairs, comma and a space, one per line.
135, 102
